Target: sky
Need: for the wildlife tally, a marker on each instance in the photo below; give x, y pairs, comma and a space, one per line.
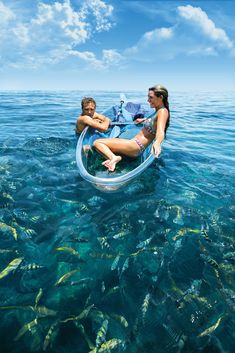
117, 44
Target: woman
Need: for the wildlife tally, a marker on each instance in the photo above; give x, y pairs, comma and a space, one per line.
155, 127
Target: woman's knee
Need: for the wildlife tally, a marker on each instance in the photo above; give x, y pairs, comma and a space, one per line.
97, 142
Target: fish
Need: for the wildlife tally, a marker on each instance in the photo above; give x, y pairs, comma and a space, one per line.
228, 268
6, 228
41, 310
229, 256
96, 201
79, 240
82, 281
204, 233
144, 243
195, 287
30, 267
145, 305
68, 250
26, 232
121, 319
115, 263
184, 231
109, 345
210, 261
83, 207
211, 329
50, 336
174, 288
178, 219
38, 296
81, 316
34, 219
8, 251
8, 196
12, 266
134, 254
125, 266
113, 290
103, 242
101, 334
27, 327
121, 235
102, 287
66, 276
104, 256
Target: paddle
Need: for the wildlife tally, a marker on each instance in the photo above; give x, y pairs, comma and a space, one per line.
122, 123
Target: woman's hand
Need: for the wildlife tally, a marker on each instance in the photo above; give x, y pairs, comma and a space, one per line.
156, 149
139, 120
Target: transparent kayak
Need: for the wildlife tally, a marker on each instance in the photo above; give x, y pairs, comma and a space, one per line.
89, 161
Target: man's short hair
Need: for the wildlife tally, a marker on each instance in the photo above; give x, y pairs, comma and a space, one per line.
87, 100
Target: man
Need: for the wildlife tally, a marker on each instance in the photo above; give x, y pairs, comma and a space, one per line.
89, 117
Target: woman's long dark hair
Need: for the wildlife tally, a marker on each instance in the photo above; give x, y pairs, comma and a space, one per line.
164, 92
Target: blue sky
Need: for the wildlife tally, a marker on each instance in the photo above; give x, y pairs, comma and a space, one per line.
117, 45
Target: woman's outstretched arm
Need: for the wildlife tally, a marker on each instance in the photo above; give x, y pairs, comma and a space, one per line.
160, 133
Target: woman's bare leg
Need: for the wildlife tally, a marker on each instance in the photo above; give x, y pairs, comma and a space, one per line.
111, 147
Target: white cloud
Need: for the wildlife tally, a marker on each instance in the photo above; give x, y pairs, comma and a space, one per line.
101, 12
6, 14
197, 17
159, 34
193, 34
61, 20
22, 33
109, 58
149, 43
52, 31
202, 51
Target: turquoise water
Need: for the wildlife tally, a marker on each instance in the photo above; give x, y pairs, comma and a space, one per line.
152, 265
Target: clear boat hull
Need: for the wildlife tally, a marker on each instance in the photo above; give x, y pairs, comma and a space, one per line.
89, 162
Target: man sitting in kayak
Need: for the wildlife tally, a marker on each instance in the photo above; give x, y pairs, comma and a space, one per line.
89, 117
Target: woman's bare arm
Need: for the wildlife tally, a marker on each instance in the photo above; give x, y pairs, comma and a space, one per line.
160, 133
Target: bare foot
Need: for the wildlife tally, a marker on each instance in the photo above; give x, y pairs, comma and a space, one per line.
106, 163
112, 163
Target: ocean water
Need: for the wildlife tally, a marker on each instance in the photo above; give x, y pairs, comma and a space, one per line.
149, 269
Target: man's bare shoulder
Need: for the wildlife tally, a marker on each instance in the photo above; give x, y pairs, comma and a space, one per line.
82, 121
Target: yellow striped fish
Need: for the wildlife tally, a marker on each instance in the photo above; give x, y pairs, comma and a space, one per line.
66, 276
210, 329
25, 328
101, 334
50, 336
6, 228
11, 267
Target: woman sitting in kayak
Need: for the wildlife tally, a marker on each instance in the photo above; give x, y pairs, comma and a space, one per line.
155, 127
